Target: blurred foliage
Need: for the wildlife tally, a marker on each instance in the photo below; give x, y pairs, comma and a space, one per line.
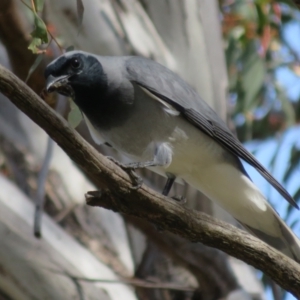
39, 34
43, 34
255, 51
256, 48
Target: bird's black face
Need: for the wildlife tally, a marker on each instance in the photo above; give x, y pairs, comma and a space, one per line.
74, 71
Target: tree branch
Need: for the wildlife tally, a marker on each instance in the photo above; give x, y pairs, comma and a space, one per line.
145, 203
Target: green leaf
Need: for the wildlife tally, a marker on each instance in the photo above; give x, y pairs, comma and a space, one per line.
74, 116
246, 10
40, 30
252, 78
35, 43
262, 19
293, 165
36, 63
39, 34
287, 107
296, 196
231, 51
39, 4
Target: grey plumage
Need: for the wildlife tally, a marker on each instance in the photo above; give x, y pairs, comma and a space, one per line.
150, 114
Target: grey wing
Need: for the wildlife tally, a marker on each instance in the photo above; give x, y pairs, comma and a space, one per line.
170, 88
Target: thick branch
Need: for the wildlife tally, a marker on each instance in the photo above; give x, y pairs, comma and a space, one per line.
145, 203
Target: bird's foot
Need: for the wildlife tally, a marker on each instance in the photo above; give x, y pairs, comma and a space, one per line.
179, 198
137, 180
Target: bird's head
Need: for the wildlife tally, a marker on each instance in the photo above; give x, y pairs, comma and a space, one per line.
74, 71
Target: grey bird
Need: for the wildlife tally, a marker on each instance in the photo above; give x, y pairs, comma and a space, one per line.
150, 115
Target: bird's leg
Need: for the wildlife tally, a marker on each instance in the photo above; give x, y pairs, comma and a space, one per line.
179, 198
131, 167
135, 165
138, 181
162, 157
168, 186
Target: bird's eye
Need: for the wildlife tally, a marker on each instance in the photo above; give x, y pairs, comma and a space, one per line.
75, 63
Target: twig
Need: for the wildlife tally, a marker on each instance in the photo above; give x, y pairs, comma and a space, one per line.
56, 42
40, 194
140, 283
137, 282
42, 177
208, 266
145, 203
29, 7
33, 6
52, 37
276, 290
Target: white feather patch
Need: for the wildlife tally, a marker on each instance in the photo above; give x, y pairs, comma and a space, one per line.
98, 139
166, 106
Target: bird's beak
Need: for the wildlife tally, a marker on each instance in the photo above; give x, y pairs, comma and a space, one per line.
56, 83
59, 84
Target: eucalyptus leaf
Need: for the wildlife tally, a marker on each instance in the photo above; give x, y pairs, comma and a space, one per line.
262, 19
287, 107
39, 34
36, 63
252, 80
74, 116
40, 30
293, 165
34, 44
39, 5
296, 196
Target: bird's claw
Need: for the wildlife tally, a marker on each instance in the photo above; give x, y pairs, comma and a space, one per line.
180, 199
130, 170
136, 179
121, 165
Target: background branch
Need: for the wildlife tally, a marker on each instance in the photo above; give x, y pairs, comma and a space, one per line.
297, 2
145, 203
